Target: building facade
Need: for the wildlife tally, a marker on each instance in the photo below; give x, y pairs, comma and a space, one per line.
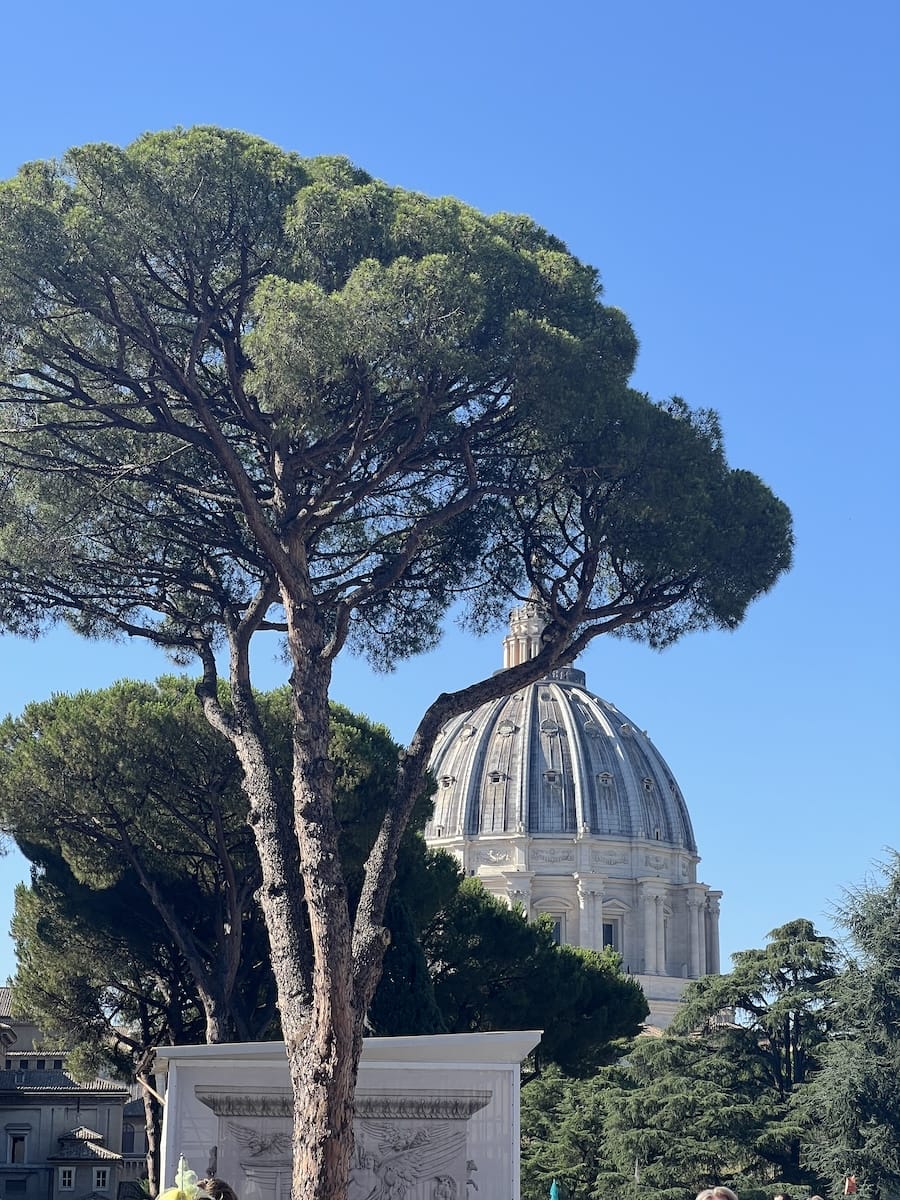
559, 803
61, 1139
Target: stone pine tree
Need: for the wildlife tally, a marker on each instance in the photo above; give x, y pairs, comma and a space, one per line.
242, 391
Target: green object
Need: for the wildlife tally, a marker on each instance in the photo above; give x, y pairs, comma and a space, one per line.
855, 1099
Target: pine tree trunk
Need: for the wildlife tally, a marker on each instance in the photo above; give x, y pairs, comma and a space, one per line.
325, 1043
153, 1125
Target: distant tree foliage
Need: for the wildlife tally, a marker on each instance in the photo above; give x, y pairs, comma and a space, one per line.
717, 1099
853, 1103
129, 806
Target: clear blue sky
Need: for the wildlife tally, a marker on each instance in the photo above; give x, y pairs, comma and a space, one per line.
733, 172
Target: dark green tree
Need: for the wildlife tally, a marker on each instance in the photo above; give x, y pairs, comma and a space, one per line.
781, 1003
130, 806
717, 1098
105, 985
491, 969
243, 391
130, 794
683, 1113
562, 1123
853, 1103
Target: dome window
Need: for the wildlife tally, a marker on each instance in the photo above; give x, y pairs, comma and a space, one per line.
605, 778
626, 730
591, 728
447, 780
549, 726
468, 731
551, 776
648, 785
496, 776
548, 696
506, 728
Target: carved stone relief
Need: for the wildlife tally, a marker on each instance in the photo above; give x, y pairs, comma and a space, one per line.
409, 1145
490, 856
552, 856
609, 860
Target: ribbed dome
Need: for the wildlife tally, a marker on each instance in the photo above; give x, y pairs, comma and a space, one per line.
554, 759
562, 806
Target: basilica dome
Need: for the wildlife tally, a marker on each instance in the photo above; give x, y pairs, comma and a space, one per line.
555, 759
559, 802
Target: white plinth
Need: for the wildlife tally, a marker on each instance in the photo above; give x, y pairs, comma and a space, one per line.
437, 1118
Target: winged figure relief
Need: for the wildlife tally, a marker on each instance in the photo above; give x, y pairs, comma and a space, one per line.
390, 1160
261, 1145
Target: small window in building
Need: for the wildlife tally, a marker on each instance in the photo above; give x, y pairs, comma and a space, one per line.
66, 1179
23, 1064
41, 1064
17, 1147
609, 934
128, 1138
648, 785
16, 1187
9, 1064
496, 776
57, 1064
101, 1179
552, 776
605, 778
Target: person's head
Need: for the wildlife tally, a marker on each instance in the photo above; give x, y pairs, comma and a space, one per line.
782, 1196
217, 1188
717, 1193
